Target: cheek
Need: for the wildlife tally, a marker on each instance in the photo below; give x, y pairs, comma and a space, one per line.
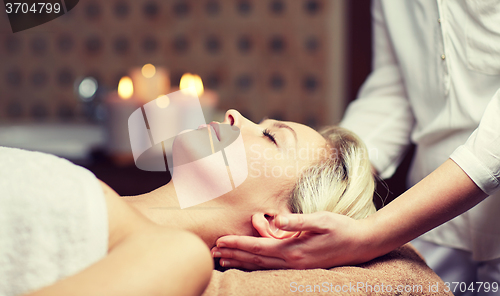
272, 171
276, 178
261, 190
265, 177
270, 168
287, 170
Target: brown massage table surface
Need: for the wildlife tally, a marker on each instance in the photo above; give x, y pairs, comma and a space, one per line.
403, 270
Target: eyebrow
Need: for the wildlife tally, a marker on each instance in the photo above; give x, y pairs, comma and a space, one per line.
277, 124
282, 125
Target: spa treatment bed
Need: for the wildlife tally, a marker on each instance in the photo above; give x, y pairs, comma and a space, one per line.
401, 272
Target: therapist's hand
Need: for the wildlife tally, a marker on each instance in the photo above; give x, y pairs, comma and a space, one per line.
327, 240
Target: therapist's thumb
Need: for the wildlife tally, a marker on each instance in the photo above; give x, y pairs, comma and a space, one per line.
317, 222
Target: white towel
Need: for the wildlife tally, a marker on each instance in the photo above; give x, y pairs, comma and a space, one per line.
53, 220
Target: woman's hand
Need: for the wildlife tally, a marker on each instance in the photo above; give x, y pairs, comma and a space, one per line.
327, 240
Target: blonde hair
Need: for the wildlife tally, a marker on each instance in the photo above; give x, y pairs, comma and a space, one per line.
342, 182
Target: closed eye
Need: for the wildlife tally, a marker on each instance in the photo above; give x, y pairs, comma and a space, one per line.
267, 133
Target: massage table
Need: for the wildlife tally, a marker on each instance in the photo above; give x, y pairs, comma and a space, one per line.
400, 272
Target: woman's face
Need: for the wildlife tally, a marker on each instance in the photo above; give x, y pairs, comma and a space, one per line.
276, 153
269, 155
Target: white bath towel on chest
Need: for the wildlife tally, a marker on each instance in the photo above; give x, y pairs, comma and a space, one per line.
53, 220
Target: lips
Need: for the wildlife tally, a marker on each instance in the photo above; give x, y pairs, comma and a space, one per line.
215, 128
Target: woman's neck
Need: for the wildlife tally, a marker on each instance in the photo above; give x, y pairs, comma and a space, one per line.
161, 207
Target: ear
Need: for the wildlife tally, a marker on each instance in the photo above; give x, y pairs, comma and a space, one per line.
264, 223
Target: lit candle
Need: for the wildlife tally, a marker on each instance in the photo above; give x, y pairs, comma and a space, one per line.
119, 107
150, 82
208, 98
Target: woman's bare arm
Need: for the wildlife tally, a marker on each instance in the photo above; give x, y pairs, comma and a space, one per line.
143, 259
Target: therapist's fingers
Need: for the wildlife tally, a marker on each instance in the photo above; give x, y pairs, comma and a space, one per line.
241, 259
319, 222
231, 263
269, 247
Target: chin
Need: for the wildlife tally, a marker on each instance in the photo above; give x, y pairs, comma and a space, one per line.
190, 146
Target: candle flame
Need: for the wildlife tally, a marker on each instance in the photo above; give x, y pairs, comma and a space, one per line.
148, 70
125, 88
189, 80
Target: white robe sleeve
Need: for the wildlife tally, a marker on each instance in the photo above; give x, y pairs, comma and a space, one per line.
381, 115
479, 157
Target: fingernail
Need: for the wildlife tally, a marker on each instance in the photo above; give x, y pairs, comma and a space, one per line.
221, 245
283, 221
224, 263
216, 254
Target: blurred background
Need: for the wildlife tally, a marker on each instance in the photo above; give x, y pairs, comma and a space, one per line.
294, 60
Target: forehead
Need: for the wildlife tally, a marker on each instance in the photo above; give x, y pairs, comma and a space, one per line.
306, 135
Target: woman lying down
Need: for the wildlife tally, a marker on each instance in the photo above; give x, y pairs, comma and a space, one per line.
63, 232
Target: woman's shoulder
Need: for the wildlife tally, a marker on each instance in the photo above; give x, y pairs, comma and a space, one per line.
123, 219
52, 184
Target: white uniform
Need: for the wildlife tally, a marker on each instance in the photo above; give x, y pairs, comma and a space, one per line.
436, 68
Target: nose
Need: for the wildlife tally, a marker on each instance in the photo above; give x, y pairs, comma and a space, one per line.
233, 117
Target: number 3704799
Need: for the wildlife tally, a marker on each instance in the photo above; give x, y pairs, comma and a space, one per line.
39, 7
474, 286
